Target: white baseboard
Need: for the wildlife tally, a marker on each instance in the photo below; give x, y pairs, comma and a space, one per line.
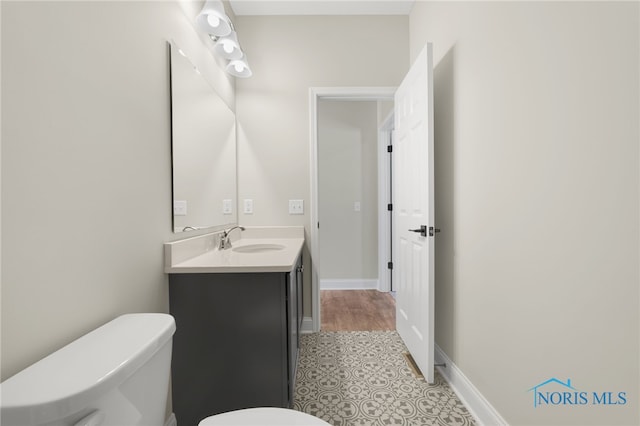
171, 421
307, 325
349, 284
478, 406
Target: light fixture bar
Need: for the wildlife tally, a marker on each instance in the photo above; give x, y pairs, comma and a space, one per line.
213, 20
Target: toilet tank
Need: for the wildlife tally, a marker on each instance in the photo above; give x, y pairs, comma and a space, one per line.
116, 375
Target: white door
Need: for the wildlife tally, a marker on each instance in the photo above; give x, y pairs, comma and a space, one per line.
414, 212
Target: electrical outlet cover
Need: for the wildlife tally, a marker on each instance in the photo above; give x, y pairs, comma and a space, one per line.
248, 206
296, 206
227, 206
179, 207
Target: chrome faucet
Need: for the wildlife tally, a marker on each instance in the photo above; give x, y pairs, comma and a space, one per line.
225, 241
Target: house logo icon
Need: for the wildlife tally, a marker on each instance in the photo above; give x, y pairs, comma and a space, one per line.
555, 392
563, 392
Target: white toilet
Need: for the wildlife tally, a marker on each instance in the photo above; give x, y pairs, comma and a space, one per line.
263, 416
116, 375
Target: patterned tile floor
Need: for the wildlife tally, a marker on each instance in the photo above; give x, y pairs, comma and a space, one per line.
362, 378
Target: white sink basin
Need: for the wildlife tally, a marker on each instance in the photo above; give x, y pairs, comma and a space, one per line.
258, 248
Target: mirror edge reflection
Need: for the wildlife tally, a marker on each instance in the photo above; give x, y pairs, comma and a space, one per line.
174, 51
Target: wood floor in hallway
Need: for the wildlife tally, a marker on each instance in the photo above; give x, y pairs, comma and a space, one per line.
357, 310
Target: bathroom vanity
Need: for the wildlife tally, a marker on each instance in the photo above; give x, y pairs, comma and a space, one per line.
238, 314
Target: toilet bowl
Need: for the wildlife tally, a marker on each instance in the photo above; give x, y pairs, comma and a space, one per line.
263, 416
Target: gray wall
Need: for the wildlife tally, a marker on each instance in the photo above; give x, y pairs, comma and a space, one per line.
537, 191
86, 169
289, 54
348, 173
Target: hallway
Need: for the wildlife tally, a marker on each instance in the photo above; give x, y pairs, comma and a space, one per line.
357, 310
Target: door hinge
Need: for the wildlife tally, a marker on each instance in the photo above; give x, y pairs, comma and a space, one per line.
389, 265
390, 207
389, 148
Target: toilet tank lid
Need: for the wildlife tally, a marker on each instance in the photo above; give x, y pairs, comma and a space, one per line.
70, 378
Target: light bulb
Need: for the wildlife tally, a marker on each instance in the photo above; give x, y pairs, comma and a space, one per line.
228, 47
213, 20
239, 66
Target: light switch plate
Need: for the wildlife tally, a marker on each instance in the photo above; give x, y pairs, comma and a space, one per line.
248, 206
296, 206
356, 206
227, 206
179, 207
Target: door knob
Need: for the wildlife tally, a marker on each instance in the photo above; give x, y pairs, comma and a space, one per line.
422, 230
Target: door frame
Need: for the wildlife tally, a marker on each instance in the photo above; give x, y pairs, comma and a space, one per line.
315, 95
385, 225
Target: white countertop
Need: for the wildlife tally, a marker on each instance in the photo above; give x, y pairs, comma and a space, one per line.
201, 255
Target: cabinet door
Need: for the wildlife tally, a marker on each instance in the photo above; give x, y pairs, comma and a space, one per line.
230, 348
292, 322
300, 282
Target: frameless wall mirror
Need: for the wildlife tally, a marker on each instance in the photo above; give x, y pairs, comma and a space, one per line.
203, 146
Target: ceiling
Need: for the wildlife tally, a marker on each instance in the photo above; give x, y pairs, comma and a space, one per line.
321, 7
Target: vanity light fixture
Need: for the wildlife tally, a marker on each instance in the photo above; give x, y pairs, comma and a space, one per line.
239, 68
214, 21
228, 47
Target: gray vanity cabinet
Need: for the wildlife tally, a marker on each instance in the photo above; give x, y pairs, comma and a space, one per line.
236, 342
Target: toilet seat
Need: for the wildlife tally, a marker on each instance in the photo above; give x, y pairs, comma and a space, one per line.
263, 416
